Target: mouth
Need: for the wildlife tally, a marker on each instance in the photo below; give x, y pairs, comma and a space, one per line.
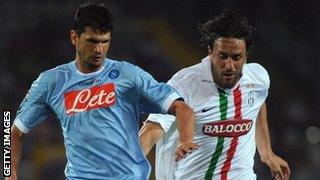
228, 75
97, 58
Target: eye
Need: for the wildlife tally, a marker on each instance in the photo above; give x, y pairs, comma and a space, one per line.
236, 57
223, 56
93, 41
105, 42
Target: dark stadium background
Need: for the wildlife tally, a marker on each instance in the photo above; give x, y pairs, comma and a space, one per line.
161, 37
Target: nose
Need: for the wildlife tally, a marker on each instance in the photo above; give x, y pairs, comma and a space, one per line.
229, 63
98, 48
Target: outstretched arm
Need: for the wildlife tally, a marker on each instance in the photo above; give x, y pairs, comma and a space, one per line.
16, 137
279, 167
149, 134
185, 120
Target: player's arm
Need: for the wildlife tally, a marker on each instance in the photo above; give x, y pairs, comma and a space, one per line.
149, 134
185, 120
16, 142
32, 111
279, 167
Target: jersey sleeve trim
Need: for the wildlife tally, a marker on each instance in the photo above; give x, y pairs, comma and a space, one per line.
167, 103
20, 126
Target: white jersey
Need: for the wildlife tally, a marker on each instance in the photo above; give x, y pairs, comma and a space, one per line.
224, 128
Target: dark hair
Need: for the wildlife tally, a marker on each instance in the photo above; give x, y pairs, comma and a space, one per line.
227, 24
95, 16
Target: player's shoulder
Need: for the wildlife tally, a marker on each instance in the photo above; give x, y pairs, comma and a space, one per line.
122, 65
52, 75
257, 72
63, 68
187, 80
256, 69
188, 74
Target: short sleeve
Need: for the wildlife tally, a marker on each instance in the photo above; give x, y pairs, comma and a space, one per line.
177, 85
266, 80
164, 120
33, 109
159, 96
264, 77
260, 75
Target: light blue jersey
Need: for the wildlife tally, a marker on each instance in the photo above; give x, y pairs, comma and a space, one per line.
99, 115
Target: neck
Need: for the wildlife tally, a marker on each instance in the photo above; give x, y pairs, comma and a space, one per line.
86, 68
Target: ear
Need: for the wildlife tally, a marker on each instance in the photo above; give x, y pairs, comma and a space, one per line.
73, 37
209, 49
246, 57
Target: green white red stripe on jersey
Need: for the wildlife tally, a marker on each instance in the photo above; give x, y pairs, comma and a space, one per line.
223, 107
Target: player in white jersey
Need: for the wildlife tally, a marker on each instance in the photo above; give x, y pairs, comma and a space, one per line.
226, 95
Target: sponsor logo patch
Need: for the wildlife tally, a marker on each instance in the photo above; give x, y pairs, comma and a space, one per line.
227, 128
207, 109
92, 98
90, 82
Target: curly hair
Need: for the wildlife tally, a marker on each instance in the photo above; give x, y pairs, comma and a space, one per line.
227, 24
95, 16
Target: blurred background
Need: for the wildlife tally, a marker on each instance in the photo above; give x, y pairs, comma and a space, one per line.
162, 37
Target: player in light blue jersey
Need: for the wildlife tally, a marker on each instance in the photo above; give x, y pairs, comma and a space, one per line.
98, 102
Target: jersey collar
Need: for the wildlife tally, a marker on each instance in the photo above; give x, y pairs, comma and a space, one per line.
206, 70
88, 74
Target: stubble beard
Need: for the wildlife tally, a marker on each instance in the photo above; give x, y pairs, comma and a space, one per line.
222, 82
88, 62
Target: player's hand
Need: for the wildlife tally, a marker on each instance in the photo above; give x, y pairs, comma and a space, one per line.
184, 149
279, 168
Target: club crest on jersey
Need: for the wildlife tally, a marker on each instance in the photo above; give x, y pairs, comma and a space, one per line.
113, 74
92, 98
251, 98
227, 128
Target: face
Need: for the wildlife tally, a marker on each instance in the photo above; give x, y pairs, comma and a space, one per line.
227, 58
91, 49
